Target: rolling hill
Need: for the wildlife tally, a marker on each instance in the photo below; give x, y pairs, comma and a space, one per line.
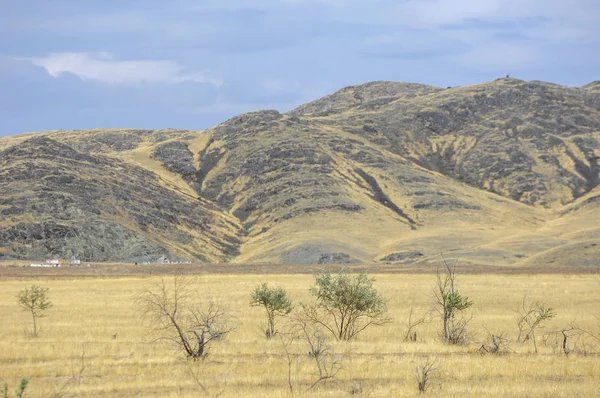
500, 173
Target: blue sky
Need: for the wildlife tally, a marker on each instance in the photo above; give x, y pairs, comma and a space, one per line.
74, 64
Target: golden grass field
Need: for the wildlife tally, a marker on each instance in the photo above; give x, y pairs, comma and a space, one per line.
76, 355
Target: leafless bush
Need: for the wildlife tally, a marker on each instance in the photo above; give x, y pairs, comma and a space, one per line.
213, 386
286, 341
573, 340
301, 329
172, 316
327, 363
457, 329
415, 321
495, 344
78, 367
426, 373
530, 317
356, 388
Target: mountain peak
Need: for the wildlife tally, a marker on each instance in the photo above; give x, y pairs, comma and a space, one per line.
42, 146
367, 96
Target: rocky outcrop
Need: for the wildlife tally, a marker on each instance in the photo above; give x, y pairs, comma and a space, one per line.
57, 200
384, 160
406, 256
522, 140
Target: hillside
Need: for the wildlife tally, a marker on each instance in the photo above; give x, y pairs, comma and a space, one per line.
500, 173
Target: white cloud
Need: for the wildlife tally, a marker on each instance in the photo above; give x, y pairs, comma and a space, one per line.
104, 68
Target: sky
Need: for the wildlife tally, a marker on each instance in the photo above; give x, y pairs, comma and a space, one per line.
191, 64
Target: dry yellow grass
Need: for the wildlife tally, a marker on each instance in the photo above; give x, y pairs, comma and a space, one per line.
87, 312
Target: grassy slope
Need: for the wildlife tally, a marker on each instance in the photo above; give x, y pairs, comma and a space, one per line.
415, 142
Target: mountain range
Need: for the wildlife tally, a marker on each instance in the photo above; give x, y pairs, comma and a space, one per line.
501, 173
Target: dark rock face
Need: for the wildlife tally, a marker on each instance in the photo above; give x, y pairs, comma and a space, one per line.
81, 202
511, 137
405, 256
95, 240
274, 170
177, 158
316, 254
336, 258
381, 197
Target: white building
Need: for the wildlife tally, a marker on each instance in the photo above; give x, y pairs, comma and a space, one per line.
74, 261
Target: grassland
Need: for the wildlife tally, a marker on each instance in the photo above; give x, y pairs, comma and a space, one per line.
76, 354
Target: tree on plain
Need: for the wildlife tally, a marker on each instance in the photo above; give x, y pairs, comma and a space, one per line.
35, 301
450, 304
346, 305
274, 300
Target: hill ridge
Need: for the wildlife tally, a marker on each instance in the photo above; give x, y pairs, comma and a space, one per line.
495, 173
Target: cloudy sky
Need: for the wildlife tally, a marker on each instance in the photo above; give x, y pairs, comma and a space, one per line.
73, 64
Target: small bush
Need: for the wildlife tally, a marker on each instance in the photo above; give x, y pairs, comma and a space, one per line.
275, 301
35, 301
346, 305
19, 392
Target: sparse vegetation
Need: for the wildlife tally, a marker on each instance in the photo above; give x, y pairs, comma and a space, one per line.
346, 305
530, 318
337, 178
496, 343
451, 305
425, 374
246, 364
275, 301
35, 300
19, 391
173, 315
316, 347
413, 323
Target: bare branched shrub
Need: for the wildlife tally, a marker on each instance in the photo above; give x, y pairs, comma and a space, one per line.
213, 386
346, 305
589, 340
356, 388
78, 367
573, 339
328, 365
531, 317
451, 305
426, 373
496, 343
172, 316
415, 321
558, 340
303, 330
286, 341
